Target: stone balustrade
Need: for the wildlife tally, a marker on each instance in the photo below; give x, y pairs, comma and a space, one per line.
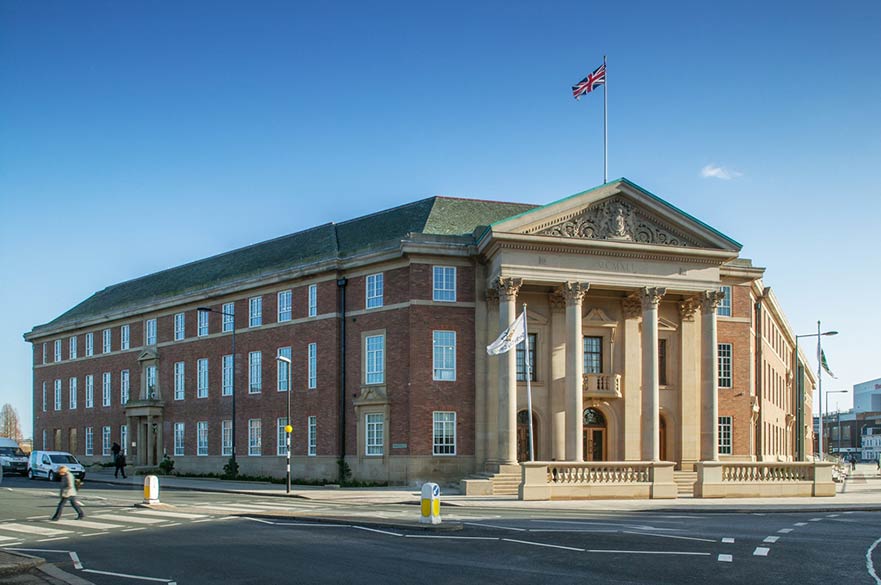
569, 480
722, 479
602, 385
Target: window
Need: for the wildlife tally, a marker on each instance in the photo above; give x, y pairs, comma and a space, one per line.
44, 396
151, 382
90, 391
226, 438
284, 306
226, 389
724, 365
313, 432
179, 380
105, 441
150, 332
255, 441
90, 344
72, 347
124, 386
444, 351
313, 300
255, 373
124, 335
105, 341
202, 438
444, 434
57, 394
45, 349
282, 368
90, 441
105, 389
202, 321
374, 290
375, 439
724, 308
521, 359
72, 384
662, 362
375, 359
444, 287
57, 350
281, 437
593, 355
123, 438
202, 378
178, 438
313, 366
229, 317
255, 312
724, 435
179, 326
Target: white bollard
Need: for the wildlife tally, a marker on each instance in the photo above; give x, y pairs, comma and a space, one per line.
151, 489
430, 504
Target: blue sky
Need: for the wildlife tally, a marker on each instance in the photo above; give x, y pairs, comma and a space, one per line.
137, 136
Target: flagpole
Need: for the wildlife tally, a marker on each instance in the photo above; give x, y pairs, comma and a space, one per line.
528, 382
605, 123
820, 385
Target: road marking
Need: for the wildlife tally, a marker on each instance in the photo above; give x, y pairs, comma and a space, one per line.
832, 515
8, 544
76, 561
870, 566
134, 529
2, 538
761, 551
377, 530
725, 558
94, 534
785, 530
233, 509
261, 520
312, 524
814, 519
164, 514
51, 539
543, 544
125, 576
172, 524
452, 537
204, 520
494, 526
670, 536
800, 524
728, 540
771, 539
31, 529
40, 517
87, 524
575, 530
130, 519
649, 552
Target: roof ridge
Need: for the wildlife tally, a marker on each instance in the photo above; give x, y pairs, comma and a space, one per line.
384, 211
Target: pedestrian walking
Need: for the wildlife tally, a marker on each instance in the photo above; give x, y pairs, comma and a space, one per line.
115, 450
120, 465
68, 494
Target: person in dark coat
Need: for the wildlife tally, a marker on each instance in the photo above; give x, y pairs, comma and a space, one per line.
120, 465
68, 494
115, 449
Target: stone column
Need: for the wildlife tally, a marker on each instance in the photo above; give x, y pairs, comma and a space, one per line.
142, 442
159, 443
690, 388
507, 454
574, 292
128, 437
632, 309
492, 381
149, 445
557, 384
651, 388
710, 300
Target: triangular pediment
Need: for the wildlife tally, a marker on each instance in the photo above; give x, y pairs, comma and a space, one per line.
147, 355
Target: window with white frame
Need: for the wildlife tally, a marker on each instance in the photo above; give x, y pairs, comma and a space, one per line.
150, 332
312, 357
105, 389
202, 438
202, 378
313, 435
44, 441
226, 386
90, 344
724, 354
444, 350
374, 434
202, 323
724, 435
179, 324
57, 394
72, 388
724, 308
255, 372
444, 284
226, 438
150, 372
593, 355
72, 347
521, 359
282, 382
44, 396
124, 337
375, 357
45, 349
444, 433
90, 391
178, 438
124, 386
57, 350
179, 380
123, 439
374, 290
105, 441
106, 341
255, 311
255, 437
313, 300
284, 306
281, 437
229, 317
90, 441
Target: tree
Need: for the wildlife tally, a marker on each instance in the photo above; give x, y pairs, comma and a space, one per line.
9, 424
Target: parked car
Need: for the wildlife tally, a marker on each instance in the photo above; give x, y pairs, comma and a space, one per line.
12, 458
46, 464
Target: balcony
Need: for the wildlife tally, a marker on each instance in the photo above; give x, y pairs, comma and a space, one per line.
601, 385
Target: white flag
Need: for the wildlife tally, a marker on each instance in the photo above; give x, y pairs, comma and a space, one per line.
510, 337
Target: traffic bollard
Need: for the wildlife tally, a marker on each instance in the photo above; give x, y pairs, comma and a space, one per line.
151, 489
430, 504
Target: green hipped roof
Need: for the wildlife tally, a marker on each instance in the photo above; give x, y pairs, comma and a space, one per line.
433, 216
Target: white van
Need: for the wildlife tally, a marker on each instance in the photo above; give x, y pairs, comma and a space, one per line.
46, 464
12, 458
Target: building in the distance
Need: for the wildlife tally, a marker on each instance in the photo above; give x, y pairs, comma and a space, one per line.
649, 339
867, 396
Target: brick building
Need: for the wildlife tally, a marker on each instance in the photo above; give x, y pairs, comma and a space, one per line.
649, 339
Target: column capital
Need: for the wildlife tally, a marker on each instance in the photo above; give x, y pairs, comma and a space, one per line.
508, 287
557, 301
632, 306
492, 297
573, 291
687, 308
651, 296
710, 300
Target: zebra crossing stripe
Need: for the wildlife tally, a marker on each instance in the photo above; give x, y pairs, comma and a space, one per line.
33, 529
162, 513
129, 518
88, 524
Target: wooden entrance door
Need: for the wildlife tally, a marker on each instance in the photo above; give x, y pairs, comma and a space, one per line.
662, 438
594, 435
523, 436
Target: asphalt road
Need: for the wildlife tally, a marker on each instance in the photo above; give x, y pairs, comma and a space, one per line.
225, 538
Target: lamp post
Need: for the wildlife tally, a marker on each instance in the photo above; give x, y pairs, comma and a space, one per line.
801, 401
838, 412
287, 427
233, 385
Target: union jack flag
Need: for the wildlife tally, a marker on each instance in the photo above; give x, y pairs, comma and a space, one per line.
590, 83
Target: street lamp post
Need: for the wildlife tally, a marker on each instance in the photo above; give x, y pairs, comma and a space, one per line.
232, 316
288, 427
800, 383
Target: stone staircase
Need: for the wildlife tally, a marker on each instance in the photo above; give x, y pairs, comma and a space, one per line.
498, 480
685, 481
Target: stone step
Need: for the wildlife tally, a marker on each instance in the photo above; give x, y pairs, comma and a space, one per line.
685, 481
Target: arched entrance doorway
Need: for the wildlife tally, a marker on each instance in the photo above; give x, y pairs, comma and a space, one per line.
594, 435
523, 436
